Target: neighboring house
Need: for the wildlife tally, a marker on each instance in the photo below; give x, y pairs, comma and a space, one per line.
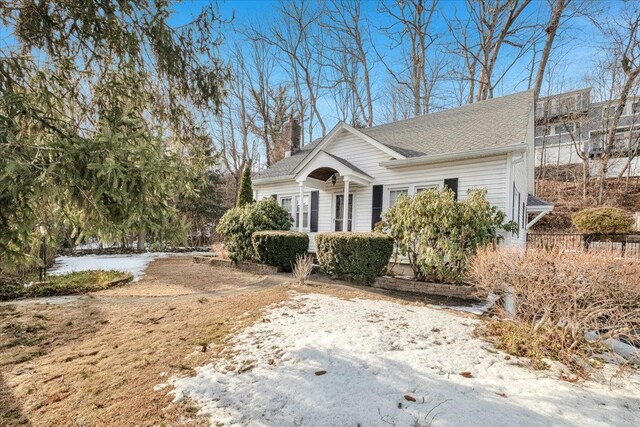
570, 129
348, 179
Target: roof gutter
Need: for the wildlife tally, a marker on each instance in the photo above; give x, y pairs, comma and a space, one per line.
439, 158
274, 179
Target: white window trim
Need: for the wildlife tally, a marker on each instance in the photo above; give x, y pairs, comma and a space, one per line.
294, 209
412, 190
386, 198
437, 184
354, 218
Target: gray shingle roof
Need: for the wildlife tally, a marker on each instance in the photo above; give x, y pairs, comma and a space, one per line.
535, 202
493, 123
286, 165
488, 124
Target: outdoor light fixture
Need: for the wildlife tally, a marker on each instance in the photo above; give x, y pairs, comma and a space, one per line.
334, 179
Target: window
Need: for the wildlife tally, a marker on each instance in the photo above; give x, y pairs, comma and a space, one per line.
305, 211
285, 202
339, 213
427, 187
565, 128
515, 206
394, 195
291, 205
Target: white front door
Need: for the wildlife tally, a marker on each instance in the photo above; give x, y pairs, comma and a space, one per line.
338, 212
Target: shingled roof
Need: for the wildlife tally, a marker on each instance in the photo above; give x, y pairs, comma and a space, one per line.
494, 123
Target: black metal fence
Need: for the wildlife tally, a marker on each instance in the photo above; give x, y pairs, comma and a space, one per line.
623, 245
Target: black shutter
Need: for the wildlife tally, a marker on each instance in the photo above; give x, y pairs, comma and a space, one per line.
452, 183
376, 206
313, 212
274, 197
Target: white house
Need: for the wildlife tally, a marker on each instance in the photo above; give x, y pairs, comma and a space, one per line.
346, 180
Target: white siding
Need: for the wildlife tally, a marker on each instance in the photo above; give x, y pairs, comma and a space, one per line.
519, 180
490, 173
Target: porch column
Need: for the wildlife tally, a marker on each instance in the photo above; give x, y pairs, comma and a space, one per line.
345, 208
300, 207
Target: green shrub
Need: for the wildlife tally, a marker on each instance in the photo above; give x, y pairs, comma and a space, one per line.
237, 226
439, 234
602, 220
354, 256
279, 248
245, 192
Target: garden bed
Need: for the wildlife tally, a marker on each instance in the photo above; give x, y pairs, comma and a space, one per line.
429, 288
80, 282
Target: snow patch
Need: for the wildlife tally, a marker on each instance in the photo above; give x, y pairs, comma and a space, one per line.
134, 264
378, 357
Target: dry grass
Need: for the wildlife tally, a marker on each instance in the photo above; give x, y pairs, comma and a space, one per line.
559, 297
95, 361
220, 249
567, 198
302, 269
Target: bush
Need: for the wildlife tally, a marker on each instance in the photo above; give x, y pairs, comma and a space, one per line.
237, 226
602, 220
279, 248
302, 269
354, 256
439, 234
558, 298
245, 191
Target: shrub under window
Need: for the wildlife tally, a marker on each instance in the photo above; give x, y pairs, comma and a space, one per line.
439, 234
354, 256
279, 248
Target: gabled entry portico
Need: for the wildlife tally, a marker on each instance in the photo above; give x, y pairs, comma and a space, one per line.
323, 173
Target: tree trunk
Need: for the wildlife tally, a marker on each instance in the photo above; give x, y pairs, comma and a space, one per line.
551, 30
142, 239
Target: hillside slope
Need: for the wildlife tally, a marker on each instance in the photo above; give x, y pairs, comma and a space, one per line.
567, 198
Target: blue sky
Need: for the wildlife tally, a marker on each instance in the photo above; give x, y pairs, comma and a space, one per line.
576, 47
574, 53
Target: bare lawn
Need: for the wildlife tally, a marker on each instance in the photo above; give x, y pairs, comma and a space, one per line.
271, 353
94, 359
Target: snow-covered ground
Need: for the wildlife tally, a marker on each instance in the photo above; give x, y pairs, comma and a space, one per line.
379, 356
134, 264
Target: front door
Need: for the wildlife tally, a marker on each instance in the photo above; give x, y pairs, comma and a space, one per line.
339, 212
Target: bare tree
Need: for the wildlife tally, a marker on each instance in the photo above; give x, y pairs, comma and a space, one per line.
267, 102
297, 34
411, 32
557, 8
348, 55
232, 126
483, 34
619, 76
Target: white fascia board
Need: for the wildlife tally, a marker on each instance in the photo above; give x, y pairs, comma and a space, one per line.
273, 179
439, 158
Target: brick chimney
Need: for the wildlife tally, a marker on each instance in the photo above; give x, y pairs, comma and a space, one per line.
291, 136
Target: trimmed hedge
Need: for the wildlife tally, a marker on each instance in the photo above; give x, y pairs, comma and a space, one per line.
237, 226
279, 248
357, 257
602, 220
